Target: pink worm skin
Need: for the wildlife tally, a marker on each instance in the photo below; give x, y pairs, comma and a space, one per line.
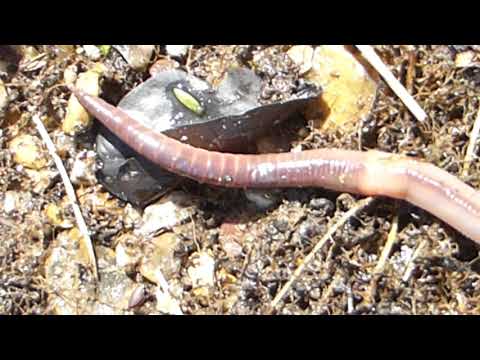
371, 173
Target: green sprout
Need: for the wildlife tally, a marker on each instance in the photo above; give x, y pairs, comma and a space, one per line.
104, 49
188, 101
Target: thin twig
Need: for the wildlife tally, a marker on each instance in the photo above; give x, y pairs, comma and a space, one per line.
411, 262
194, 233
369, 54
352, 212
82, 226
472, 144
386, 251
391, 239
409, 81
472, 262
24, 66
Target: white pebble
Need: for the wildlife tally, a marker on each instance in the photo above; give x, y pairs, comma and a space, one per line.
92, 52
165, 214
83, 170
302, 55
202, 273
166, 304
177, 50
10, 201
3, 96
262, 199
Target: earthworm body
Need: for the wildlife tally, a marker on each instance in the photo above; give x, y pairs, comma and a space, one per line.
372, 173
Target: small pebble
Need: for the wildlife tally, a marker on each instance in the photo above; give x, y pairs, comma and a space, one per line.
202, 272
131, 217
177, 50
349, 89
465, 59
315, 294
92, 52
41, 179
166, 304
163, 64
225, 277
137, 56
121, 256
157, 255
308, 230
323, 207
170, 211
115, 290
64, 144
128, 250
20, 201
272, 230
70, 74
232, 248
83, 169
10, 201
302, 56
55, 216
3, 96
281, 225
77, 119
212, 222
138, 297
27, 151
262, 199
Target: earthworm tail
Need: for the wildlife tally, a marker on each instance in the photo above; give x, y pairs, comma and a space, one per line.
367, 173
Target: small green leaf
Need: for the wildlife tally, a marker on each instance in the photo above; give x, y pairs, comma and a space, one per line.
104, 49
188, 101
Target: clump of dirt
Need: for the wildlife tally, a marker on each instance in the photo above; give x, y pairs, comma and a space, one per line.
227, 255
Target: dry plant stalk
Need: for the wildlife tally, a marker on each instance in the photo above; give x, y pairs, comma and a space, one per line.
82, 226
472, 144
391, 239
369, 54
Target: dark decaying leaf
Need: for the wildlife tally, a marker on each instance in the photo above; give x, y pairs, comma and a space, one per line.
222, 119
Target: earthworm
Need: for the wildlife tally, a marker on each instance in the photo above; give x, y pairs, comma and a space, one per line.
372, 173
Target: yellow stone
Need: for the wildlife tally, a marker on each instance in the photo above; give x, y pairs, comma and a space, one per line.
349, 88
163, 247
55, 216
27, 151
77, 119
465, 59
